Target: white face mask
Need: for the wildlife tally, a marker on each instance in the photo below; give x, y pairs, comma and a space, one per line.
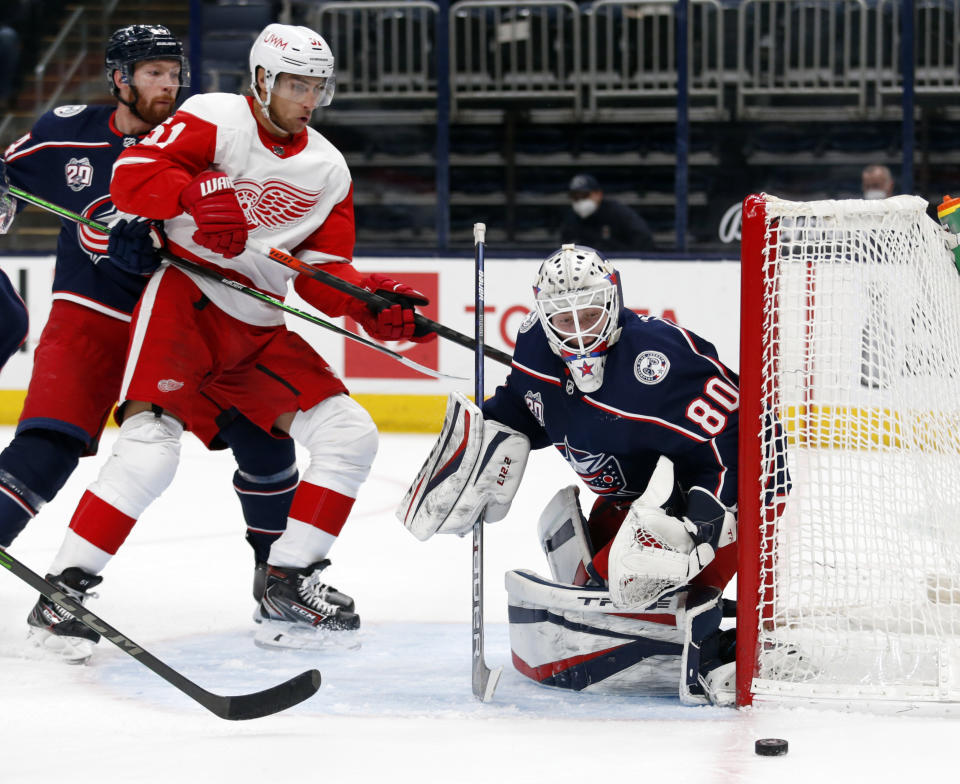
874, 193
584, 207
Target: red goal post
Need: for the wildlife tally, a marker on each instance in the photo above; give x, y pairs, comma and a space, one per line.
849, 470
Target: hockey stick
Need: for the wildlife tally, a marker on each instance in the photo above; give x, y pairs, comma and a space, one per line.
186, 264
484, 679
242, 706
371, 298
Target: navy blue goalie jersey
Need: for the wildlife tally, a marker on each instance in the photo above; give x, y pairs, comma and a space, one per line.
664, 392
67, 159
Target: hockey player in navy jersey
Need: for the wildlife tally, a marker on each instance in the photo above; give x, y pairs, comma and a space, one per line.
647, 416
67, 158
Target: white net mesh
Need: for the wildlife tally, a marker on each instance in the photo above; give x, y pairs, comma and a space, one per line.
860, 564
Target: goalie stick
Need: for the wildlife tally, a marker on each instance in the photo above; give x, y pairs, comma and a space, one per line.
242, 706
484, 679
275, 254
186, 264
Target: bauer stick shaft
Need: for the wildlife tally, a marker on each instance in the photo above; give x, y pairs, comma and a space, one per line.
371, 298
242, 706
484, 679
199, 269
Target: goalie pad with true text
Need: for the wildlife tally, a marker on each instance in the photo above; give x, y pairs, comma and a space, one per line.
572, 637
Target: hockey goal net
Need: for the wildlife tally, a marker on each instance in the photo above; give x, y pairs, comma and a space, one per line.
849, 507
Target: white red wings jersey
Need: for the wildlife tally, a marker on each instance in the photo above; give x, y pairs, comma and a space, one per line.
296, 194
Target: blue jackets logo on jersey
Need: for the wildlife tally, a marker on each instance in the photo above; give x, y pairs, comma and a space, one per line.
601, 472
79, 173
94, 242
651, 367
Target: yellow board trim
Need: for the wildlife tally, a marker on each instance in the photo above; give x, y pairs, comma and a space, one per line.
392, 413
871, 428
11, 403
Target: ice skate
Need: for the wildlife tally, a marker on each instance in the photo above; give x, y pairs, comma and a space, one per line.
54, 629
298, 610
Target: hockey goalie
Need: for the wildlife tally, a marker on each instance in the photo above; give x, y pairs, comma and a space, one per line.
646, 414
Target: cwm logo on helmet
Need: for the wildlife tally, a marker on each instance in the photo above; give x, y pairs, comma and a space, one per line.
274, 204
272, 39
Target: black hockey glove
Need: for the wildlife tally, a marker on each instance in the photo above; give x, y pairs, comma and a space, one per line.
134, 244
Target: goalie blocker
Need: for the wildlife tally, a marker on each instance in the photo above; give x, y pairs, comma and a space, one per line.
567, 634
474, 467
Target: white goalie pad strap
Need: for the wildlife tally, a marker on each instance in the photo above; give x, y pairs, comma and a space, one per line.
474, 466
563, 535
573, 637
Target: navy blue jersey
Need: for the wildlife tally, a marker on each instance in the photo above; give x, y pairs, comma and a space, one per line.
67, 159
664, 392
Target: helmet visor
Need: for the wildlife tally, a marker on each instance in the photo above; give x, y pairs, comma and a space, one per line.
307, 90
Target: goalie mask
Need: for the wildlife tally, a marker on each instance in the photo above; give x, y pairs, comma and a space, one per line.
290, 49
578, 299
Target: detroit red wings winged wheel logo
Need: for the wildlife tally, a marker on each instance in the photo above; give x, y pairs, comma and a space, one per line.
274, 204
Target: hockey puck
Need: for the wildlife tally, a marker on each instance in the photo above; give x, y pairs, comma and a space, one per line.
770, 747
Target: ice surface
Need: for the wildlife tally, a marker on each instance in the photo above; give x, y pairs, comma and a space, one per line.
400, 708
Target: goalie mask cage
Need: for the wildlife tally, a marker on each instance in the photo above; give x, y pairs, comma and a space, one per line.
849, 495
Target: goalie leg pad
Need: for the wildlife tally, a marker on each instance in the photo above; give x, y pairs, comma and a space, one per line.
565, 539
473, 466
572, 637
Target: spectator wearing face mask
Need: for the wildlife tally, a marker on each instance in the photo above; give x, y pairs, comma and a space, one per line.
602, 223
877, 182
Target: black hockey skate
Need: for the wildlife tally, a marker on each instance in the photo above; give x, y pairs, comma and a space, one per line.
57, 631
298, 610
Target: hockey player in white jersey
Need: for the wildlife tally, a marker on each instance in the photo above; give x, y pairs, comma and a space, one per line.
223, 169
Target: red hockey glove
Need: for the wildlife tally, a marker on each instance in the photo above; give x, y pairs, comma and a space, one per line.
397, 321
221, 225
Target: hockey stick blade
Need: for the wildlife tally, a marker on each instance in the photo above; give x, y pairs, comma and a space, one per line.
186, 264
234, 708
485, 682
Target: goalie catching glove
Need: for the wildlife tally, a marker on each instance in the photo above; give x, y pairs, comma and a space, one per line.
395, 322
654, 553
474, 467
